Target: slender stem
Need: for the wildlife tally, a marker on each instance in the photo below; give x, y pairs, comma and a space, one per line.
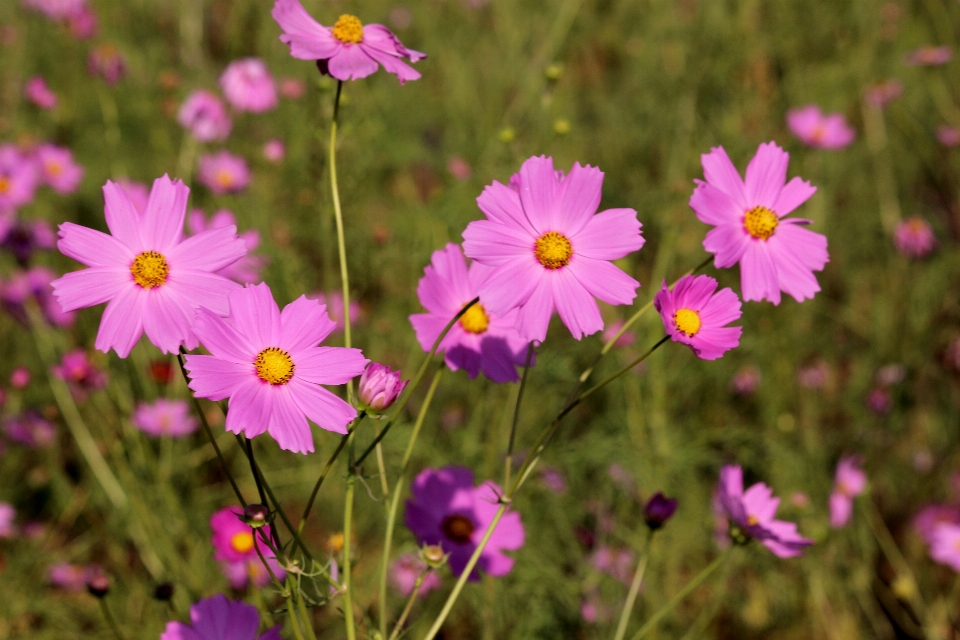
263, 559
111, 124
323, 475
338, 215
347, 532
303, 614
381, 469
111, 621
293, 618
634, 588
622, 371
508, 464
409, 606
247, 445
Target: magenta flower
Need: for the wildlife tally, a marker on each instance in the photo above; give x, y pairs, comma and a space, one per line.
480, 340
380, 387
658, 510
274, 150
217, 618
819, 130
945, 545
553, 479
223, 172
929, 56
349, 50
106, 61
30, 429
248, 85
926, 521
20, 378
269, 365
77, 370
18, 178
233, 548
404, 572
752, 512
205, 117
24, 238
948, 136
914, 237
247, 269
37, 92
547, 250
882, 93
694, 314
7, 515
164, 417
58, 169
333, 300
153, 279
850, 482
447, 510
775, 253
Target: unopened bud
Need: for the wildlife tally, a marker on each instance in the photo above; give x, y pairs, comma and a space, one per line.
380, 387
256, 515
659, 509
163, 592
434, 556
98, 585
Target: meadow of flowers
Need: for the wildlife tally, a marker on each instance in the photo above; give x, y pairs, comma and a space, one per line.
479, 319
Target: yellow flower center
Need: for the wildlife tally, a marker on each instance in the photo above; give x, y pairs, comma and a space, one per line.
224, 178
242, 542
274, 365
760, 222
4, 185
458, 528
553, 250
752, 521
335, 542
687, 321
348, 29
475, 320
150, 269
54, 168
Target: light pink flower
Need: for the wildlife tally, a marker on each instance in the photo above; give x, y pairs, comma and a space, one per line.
929, 56
205, 117
247, 269
19, 178
217, 618
379, 387
745, 381
615, 563
223, 172
626, 339
948, 136
274, 150
248, 85
20, 378
850, 482
945, 545
72, 577
459, 168
37, 92
153, 279
58, 169
349, 50
269, 365
106, 61
819, 130
164, 418
914, 237
775, 253
404, 572
694, 313
547, 248
882, 93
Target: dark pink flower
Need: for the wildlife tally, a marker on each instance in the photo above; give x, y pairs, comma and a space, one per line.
233, 547
404, 572
247, 269
248, 86
106, 61
379, 387
79, 372
164, 417
819, 130
83, 23
223, 172
658, 510
849, 483
30, 429
38, 93
929, 517
217, 618
695, 314
58, 169
929, 56
914, 237
205, 117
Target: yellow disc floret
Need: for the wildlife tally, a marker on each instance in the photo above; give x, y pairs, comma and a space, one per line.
475, 320
242, 542
687, 321
760, 222
150, 269
274, 365
348, 29
553, 250
4, 185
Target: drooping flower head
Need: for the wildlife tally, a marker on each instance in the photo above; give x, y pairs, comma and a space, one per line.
268, 364
247, 269
18, 179
449, 511
380, 387
164, 417
58, 169
849, 483
775, 253
914, 237
233, 548
37, 92
548, 248
480, 340
751, 514
205, 117
152, 278
223, 172
217, 618
819, 130
349, 50
695, 314
929, 56
107, 62
248, 85
404, 572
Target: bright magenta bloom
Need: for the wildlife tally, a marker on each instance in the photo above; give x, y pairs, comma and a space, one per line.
850, 482
945, 545
269, 365
233, 548
349, 50
447, 510
480, 340
752, 513
152, 278
914, 237
37, 92
547, 250
694, 314
78, 371
205, 117
164, 418
247, 269
816, 129
223, 172
217, 618
58, 169
926, 521
248, 85
18, 178
930, 56
775, 254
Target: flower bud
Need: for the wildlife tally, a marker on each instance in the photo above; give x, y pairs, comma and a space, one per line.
380, 387
163, 592
98, 585
659, 509
433, 555
256, 515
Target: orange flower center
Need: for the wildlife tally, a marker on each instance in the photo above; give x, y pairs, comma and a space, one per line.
150, 269
553, 250
475, 320
760, 222
348, 29
242, 542
274, 365
687, 321
54, 168
4, 185
224, 178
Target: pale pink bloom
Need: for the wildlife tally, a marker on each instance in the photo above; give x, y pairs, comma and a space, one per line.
814, 375
404, 572
891, 374
694, 313
615, 563
882, 93
152, 277
37, 92
30, 429
379, 387
164, 418
58, 169
20, 378
817, 129
248, 85
929, 517
333, 301
205, 117
945, 545
914, 237
56, 9
745, 381
247, 269
106, 61
217, 618
459, 168
19, 178
553, 479
292, 88
223, 172
850, 482
948, 136
274, 150
929, 56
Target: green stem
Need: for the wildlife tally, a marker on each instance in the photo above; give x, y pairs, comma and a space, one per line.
323, 475
634, 588
292, 617
890, 549
409, 606
347, 532
111, 621
338, 215
381, 469
508, 464
247, 446
303, 614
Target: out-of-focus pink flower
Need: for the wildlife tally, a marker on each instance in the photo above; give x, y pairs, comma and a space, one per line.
56, 9
554, 480
30, 429
929, 56
248, 85
880, 401
926, 520
882, 93
223, 172
77, 370
948, 136
850, 482
404, 572
247, 269
616, 563
233, 546
799, 499
292, 88
621, 477
400, 17
217, 618
814, 375
205, 117
19, 178
164, 417
37, 92
745, 381
379, 387
107, 62
817, 129
83, 23
137, 192
333, 300
72, 577
58, 169
274, 150
891, 374
20, 378
694, 313
612, 329
35, 283
914, 237
459, 168
945, 545
26, 237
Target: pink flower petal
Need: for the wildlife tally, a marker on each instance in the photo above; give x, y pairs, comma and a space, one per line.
329, 365
308, 39
122, 216
577, 308
93, 248
161, 226
714, 206
122, 324
90, 287
720, 172
391, 63
728, 243
351, 63
495, 244
446, 286
766, 175
255, 314
288, 424
502, 204
604, 280
304, 323
794, 194
202, 289
216, 379
578, 198
533, 317
758, 274
167, 320
222, 340
322, 407
539, 189
210, 250
511, 285
250, 407
609, 235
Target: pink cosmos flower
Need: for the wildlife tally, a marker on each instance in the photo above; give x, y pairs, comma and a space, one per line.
480, 340
547, 249
24, 238
33, 283
819, 130
248, 85
205, 117
745, 381
945, 545
447, 510
269, 365
164, 418
18, 178
292, 88
914, 237
217, 618
404, 572
223, 172
83, 23
775, 253
948, 136
333, 300
79, 372
7, 515
58, 169
233, 548
459, 168
56, 9
380, 387
274, 150
926, 521
752, 513
20, 378
37, 92
929, 56
247, 269
137, 192
814, 375
850, 482
106, 61
349, 50
30, 429
694, 314
882, 93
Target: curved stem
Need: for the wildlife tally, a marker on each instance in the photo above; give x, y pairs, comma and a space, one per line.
347, 532
508, 464
338, 215
323, 475
409, 606
381, 468
634, 588
293, 618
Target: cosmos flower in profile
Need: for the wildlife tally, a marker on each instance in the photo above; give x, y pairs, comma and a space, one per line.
694, 313
248, 86
849, 483
819, 130
217, 618
350, 50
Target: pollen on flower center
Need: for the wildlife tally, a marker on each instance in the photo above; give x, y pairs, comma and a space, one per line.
242, 542
553, 250
458, 528
54, 168
4, 185
224, 178
150, 269
752, 520
475, 320
687, 321
274, 365
760, 222
348, 29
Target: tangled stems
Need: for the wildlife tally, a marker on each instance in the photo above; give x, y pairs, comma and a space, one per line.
338, 215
